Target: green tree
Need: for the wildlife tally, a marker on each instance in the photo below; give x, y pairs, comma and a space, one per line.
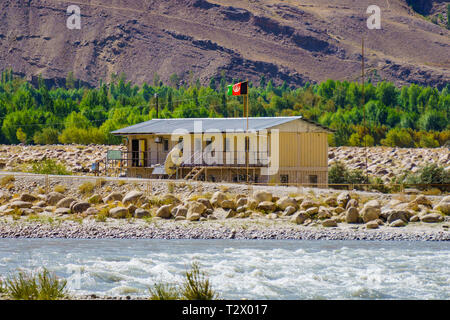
21, 136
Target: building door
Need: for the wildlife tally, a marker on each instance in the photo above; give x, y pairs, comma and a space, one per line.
134, 153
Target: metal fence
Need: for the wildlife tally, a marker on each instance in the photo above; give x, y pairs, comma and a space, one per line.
45, 182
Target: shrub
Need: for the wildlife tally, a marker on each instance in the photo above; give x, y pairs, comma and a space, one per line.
197, 285
339, 174
49, 166
60, 189
41, 286
86, 188
164, 292
431, 174
46, 136
7, 180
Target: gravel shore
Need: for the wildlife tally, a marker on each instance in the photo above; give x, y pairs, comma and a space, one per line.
161, 229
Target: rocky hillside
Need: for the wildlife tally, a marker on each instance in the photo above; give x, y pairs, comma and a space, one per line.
293, 41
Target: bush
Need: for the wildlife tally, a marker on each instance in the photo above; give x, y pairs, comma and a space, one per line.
7, 180
86, 188
430, 176
195, 287
164, 292
49, 166
339, 174
46, 136
42, 286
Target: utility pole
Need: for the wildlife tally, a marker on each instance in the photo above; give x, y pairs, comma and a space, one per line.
364, 108
157, 107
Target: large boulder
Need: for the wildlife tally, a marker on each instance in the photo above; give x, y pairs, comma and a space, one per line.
398, 223
329, 223
352, 203
53, 198
217, 198
205, 202
308, 203
331, 201
80, 207
65, 202
289, 211
397, 215
179, 211
261, 196
432, 218
241, 202
371, 211
228, 204
421, 199
118, 212
18, 204
299, 218
267, 206
444, 206
114, 196
285, 202
164, 212
27, 197
132, 197
372, 225
141, 213
343, 198
323, 213
352, 215
195, 211
169, 198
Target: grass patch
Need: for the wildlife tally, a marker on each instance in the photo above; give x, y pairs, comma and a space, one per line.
48, 166
196, 286
171, 187
7, 180
40, 286
121, 183
86, 188
164, 292
60, 188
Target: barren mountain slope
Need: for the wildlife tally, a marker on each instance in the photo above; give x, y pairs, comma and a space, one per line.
290, 40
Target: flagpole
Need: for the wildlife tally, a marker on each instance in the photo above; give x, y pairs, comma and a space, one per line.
248, 143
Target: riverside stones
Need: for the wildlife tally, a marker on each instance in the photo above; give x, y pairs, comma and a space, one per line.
352, 215
205, 202
299, 218
331, 201
285, 202
396, 215
118, 212
398, 223
308, 203
54, 197
114, 196
27, 197
432, 218
343, 198
371, 211
196, 209
141, 213
217, 198
164, 212
444, 205
262, 196
80, 207
179, 211
228, 204
18, 204
267, 206
329, 223
289, 211
372, 225
132, 197
65, 202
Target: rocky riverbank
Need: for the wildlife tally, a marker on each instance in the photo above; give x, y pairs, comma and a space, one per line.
108, 208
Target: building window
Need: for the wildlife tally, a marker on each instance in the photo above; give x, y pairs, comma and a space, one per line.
166, 144
312, 180
284, 178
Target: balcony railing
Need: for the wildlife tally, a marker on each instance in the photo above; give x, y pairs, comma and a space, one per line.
150, 159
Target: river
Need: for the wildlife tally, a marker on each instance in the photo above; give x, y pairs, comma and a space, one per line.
252, 269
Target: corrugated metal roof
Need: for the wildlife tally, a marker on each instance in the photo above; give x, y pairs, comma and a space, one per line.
168, 126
